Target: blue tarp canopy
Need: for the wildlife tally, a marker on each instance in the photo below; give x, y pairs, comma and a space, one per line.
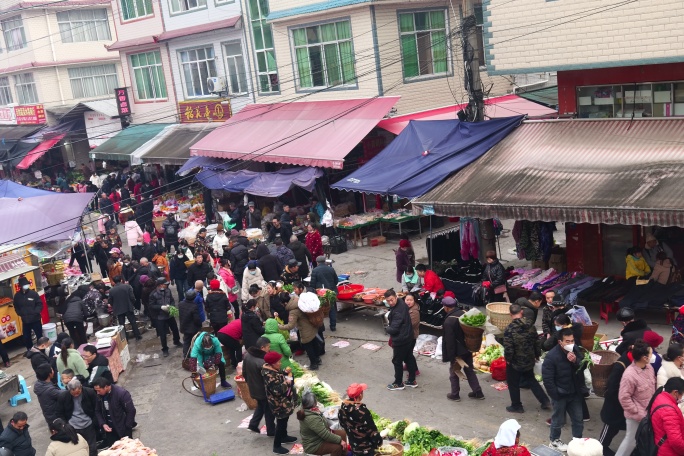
9, 189
258, 183
204, 163
425, 153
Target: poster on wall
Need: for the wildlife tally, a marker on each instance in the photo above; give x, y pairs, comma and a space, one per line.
215, 110
30, 114
100, 127
7, 116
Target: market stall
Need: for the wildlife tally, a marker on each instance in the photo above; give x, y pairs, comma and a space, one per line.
13, 266
112, 344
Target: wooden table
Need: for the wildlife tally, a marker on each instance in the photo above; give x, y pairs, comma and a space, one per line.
356, 229
9, 387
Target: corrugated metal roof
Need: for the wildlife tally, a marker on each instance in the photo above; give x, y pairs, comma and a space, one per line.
595, 171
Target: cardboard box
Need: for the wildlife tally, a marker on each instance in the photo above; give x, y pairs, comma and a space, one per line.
121, 342
125, 357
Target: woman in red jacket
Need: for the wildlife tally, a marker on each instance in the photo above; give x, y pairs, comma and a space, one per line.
431, 281
313, 241
667, 420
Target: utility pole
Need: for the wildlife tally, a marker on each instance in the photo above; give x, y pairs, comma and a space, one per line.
471, 63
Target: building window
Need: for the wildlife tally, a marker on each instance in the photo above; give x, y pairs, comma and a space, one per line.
13, 30
324, 55
479, 21
267, 70
197, 65
223, 2
83, 25
423, 43
662, 99
150, 83
133, 9
26, 88
5, 91
180, 6
94, 81
235, 64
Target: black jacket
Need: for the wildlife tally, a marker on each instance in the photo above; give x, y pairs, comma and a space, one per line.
253, 219
252, 328
99, 367
89, 403
268, 263
453, 339
189, 317
251, 370
28, 305
120, 407
302, 255
529, 311
548, 315
142, 251
400, 327
630, 333
127, 272
19, 442
121, 297
552, 341
198, 272
612, 412
494, 273
216, 305
37, 357
76, 310
48, 397
324, 276
563, 379
521, 345
171, 229
159, 298
285, 232
239, 256
177, 268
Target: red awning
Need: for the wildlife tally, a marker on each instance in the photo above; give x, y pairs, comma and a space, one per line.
38, 152
505, 106
307, 133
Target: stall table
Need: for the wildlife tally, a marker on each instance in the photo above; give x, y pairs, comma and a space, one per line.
9, 387
112, 354
356, 229
400, 220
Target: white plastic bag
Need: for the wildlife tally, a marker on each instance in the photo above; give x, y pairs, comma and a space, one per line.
423, 339
538, 367
438, 350
578, 314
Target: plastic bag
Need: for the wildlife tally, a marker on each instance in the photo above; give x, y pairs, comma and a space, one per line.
578, 314
538, 367
423, 339
498, 369
293, 335
190, 231
438, 350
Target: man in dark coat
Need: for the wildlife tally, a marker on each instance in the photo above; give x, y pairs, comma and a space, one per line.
253, 216
235, 215
142, 250
453, 347
114, 410
28, 306
530, 306
268, 263
612, 414
37, 354
122, 297
198, 271
143, 214
106, 205
48, 393
521, 349
554, 306
282, 229
324, 276
160, 302
632, 330
400, 330
251, 370
77, 406
301, 254
564, 381
239, 256
16, 437
171, 227
190, 321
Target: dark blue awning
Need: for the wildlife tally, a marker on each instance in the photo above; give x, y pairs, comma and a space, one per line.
258, 183
425, 153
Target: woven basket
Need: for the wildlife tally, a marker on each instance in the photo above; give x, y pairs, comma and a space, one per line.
243, 391
588, 333
158, 221
499, 314
601, 371
473, 336
209, 381
316, 318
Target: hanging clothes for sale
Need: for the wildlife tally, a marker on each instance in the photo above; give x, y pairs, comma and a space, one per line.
470, 235
533, 240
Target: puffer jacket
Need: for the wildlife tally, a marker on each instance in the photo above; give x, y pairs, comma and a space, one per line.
252, 328
315, 431
48, 397
552, 341
189, 317
301, 254
171, 228
529, 311
521, 345
281, 394
636, 390
239, 256
563, 379
19, 442
414, 313
268, 263
630, 333
160, 298
251, 370
216, 304
278, 342
37, 357
249, 279
668, 421
400, 328
494, 273
61, 445
668, 370
298, 319
76, 310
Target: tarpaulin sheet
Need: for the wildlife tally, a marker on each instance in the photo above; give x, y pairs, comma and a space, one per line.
37, 152
424, 154
9, 189
307, 133
42, 218
204, 163
260, 184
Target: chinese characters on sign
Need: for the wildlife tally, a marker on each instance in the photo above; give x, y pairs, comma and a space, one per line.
204, 111
30, 114
122, 102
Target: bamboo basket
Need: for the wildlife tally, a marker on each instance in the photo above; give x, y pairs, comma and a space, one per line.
158, 221
243, 391
499, 314
473, 336
316, 318
588, 334
209, 381
600, 372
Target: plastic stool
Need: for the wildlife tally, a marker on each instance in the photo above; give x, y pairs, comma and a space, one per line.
24, 394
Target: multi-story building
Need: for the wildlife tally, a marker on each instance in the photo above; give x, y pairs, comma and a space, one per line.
616, 59
354, 49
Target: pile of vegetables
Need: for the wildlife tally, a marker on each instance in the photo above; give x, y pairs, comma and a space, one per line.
323, 392
289, 288
484, 358
327, 297
173, 311
417, 439
597, 345
297, 370
474, 320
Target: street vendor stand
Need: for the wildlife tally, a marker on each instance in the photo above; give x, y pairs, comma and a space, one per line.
12, 267
357, 235
112, 344
399, 220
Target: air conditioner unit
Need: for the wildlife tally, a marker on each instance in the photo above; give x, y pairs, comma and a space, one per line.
216, 84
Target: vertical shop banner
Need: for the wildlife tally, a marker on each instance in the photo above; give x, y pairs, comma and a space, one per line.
196, 111
7, 116
123, 103
30, 115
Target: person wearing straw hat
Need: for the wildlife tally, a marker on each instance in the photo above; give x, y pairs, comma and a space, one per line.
282, 397
356, 420
507, 441
317, 438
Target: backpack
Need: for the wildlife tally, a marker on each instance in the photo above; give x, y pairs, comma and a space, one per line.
645, 438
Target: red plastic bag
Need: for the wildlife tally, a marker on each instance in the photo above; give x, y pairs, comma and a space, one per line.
498, 369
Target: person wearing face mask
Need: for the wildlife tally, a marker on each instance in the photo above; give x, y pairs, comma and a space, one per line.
637, 386
178, 273
142, 250
654, 340
28, 306
127, 270
558, 324
251, 276
564, 382
673, 364
409, 279
667, 421
161, 302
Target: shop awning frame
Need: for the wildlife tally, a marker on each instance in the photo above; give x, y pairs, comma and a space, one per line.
127, 141
172, 145
612, 171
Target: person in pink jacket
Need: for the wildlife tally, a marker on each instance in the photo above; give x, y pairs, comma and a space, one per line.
229, 279
133, 232
667, 420
637, 387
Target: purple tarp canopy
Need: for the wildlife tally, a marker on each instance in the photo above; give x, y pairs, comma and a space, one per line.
260, 184
42, 218
9, 189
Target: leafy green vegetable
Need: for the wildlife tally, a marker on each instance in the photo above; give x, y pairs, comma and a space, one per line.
597, 345
491, 353
400, 428
380, 423
586, 362
474, 320
297, 370
329, 298
288, 287
322, 394
173, 311
422, 440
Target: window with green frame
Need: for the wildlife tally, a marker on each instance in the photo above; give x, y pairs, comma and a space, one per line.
262, 34
148, 76
423, 43
324, 55
133, 9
